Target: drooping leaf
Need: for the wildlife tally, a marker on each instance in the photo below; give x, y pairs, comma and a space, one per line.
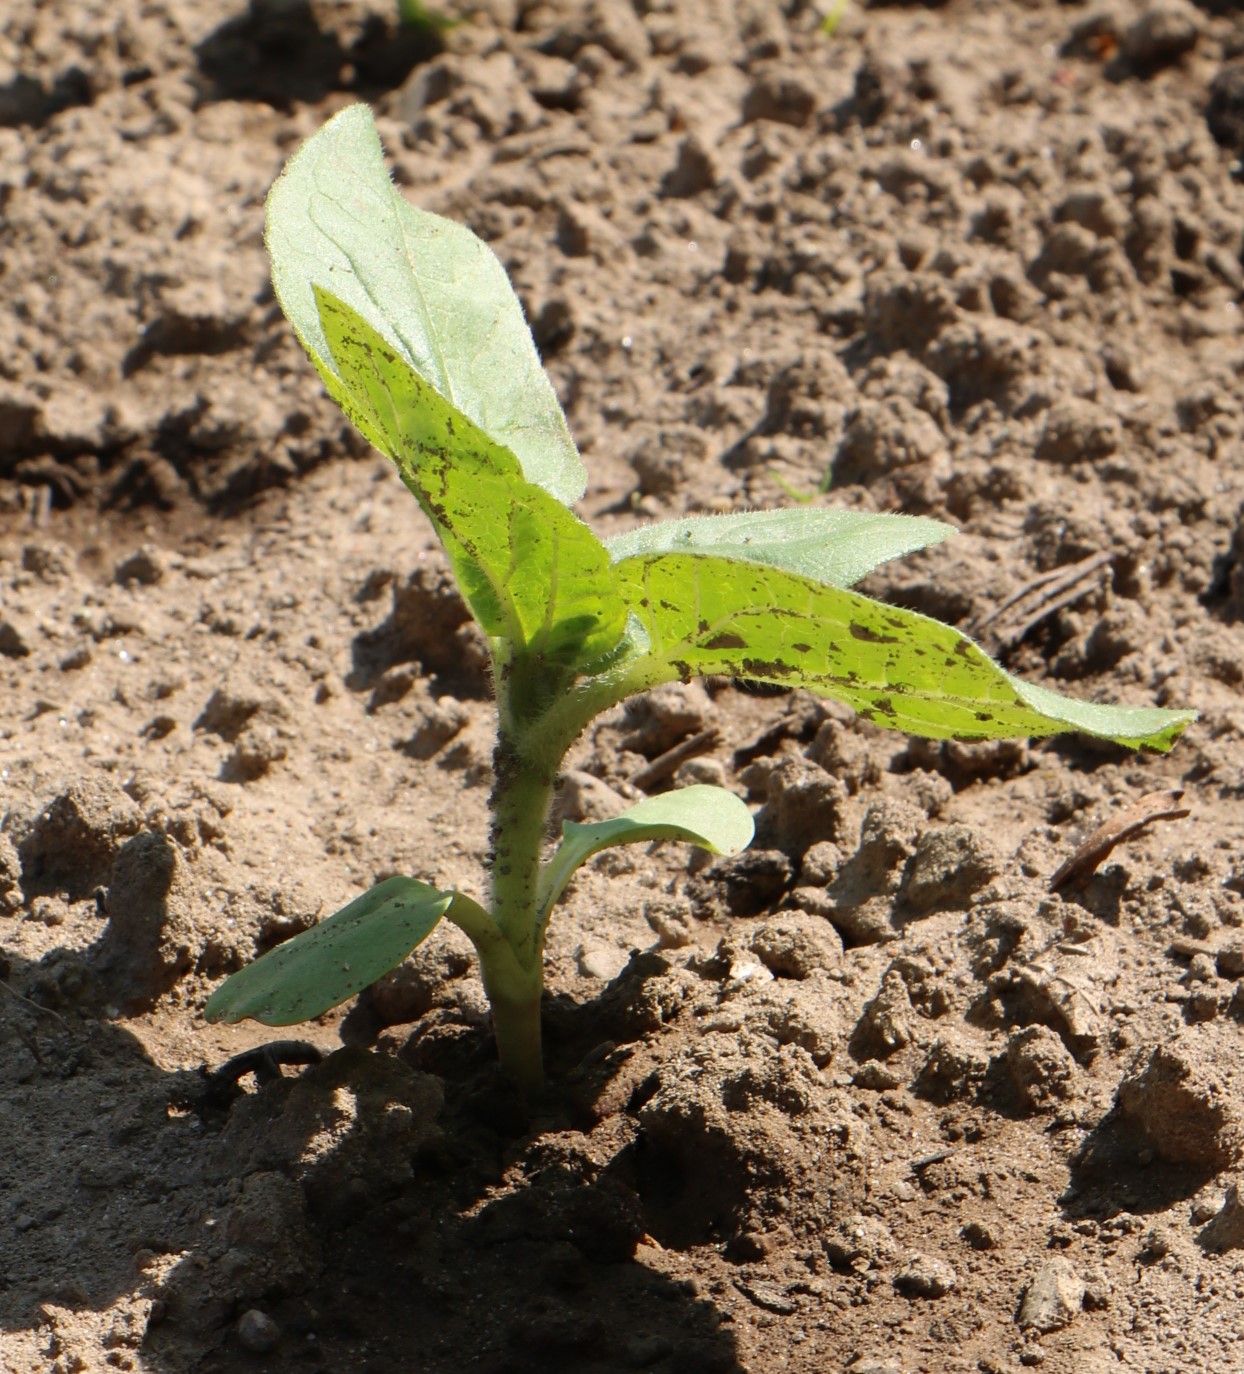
706, 614
436, 292
322, 967
834, 546
709, 817
531, 571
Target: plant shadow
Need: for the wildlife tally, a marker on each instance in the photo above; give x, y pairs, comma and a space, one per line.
383, 1217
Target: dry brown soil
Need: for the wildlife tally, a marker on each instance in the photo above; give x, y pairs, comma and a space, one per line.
872, 1097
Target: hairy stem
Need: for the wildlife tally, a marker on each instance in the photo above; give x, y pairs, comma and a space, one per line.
512, 964
520, 809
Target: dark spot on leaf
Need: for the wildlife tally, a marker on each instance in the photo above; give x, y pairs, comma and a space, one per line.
726, 641
859, 631
765, 668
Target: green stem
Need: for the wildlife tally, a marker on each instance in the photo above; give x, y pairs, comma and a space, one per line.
509, 940
514, 996
513, 993
539, 718
520, 809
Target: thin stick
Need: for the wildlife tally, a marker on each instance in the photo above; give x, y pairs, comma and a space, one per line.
1092, 852
665, 765
1045, 594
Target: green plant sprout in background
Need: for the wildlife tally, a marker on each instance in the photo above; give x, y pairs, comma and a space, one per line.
414, 14
829, 25
418, 336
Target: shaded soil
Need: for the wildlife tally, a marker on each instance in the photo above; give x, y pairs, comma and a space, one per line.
871, 1097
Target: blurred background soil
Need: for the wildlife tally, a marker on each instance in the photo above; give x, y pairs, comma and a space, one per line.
874, 1096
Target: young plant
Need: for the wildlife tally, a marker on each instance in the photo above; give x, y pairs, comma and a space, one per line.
418, 336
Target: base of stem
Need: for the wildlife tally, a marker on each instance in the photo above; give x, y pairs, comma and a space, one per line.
515, 1002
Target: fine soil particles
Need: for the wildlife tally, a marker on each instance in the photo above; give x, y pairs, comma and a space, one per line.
875, 1096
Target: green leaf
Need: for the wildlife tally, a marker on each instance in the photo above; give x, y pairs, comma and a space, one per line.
414, 14
709, 817
322, 967
436, 292
706, 614
834, 546
531, 571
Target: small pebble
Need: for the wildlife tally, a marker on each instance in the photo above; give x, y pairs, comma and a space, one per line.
1226, 1228
1163, 33
602, 961
875, 1075
257, 1332
14, 643
1230, 959
1053, 1298
1157, 1243
1205, 1207
924, 1276
1201, 969
979, 1235
147, 565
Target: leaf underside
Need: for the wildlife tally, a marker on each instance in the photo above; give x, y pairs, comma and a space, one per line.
428, 285
324, 966
705, 614
834, 546
709, 817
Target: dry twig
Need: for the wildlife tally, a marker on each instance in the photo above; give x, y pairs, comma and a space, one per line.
1092, 852
667, 764
1043, 596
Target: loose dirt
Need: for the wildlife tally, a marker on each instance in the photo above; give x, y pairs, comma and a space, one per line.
872, 1097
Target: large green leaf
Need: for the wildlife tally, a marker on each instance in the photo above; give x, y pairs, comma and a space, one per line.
706, 614
429, 286
531, 571
834, 546
709, 817
322, 967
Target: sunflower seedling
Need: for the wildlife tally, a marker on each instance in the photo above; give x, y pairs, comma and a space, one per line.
415, 330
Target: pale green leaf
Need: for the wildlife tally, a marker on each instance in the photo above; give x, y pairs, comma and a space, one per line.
834, 546
706, 614
531, 571
322, 967
709, 817
434, 290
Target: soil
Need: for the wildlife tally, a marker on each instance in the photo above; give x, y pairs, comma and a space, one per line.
875, 1096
